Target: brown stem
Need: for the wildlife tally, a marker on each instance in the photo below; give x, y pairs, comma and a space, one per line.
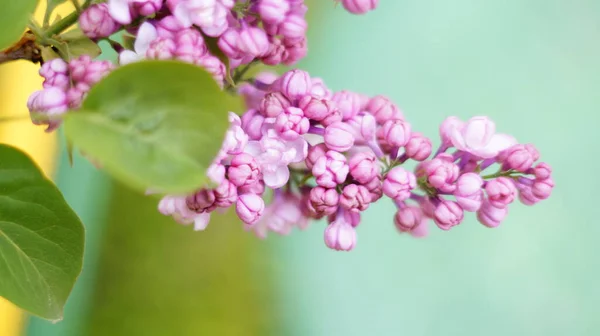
25, 49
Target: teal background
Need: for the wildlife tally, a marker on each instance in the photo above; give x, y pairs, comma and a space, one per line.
533, 66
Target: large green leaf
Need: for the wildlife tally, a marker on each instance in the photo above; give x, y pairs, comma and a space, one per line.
14, 15
154, 124
41, 238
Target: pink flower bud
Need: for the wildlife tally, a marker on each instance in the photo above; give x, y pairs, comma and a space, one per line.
331, 169
383, 109
256, 188
225, 194
490, 215
55, 73
340, 235
235, 137
249, 208
468, 191
243, 170
526, 196
51, 101
273, 104
542, 188
394, 133
147, 7
363, 167
86, 71
252, 123
355, 198
161, 49
275, 53
253, 42
75, 94
338, 137
273, 11
292, 123
418, 147
364, 128
399, 183
294, 51
348, 103
375, 187
517, 157
214, 66
447, 214
96, 22
323, 201
314, 153
359, 6
168, 27
542, 171
229, 43
334, 116
501, 192
319, 89
295, 84
441, 173
202, 201
190, 45
293, 28
316, 109
447, 127
408, 218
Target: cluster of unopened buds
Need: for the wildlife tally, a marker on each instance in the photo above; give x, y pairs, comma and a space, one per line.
330, 155
314, 153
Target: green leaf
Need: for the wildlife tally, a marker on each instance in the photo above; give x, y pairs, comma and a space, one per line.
41, 238
75, 43
154, 124
14, 15
50, 6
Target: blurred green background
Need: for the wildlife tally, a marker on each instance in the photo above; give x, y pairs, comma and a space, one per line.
533, 66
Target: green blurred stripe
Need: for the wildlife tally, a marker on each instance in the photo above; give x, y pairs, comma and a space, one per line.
87, 190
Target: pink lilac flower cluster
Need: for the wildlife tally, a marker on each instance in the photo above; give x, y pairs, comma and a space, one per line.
330, 155
65, 86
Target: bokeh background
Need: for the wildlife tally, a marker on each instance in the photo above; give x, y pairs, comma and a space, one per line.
533, 66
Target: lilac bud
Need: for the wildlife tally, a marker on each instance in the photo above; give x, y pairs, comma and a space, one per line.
56, 74
225, 194
395, 133
441, 173
190, 45
526, 195
418, 147
331, 169
96, 22
214, 66
168, 27
51, 101
364, 128
319, 89
340, 235
355, 198
243, 170
447, 214
229, 43
490, 215
542, 171
363, 167
316, 109
293, 28
253, 42
446, 128
338, 137
468, 191
348, 103
273, 104
375, 187
295, 84
85, 70
273, 11
147, 7
252, 123
501, 192
334, 115
314, 153
256, 188
359, 6
323, 201
275, 53
383, 109
161, 49
202, 201
399, 183
249, 208
76, 93
235, 137
408, 218
292, 123
517, 157
542, 188
294, 51
216, 171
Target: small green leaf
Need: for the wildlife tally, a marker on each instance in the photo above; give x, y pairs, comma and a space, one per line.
75, 43
154, 124
14, 15
50, 6
41, 238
